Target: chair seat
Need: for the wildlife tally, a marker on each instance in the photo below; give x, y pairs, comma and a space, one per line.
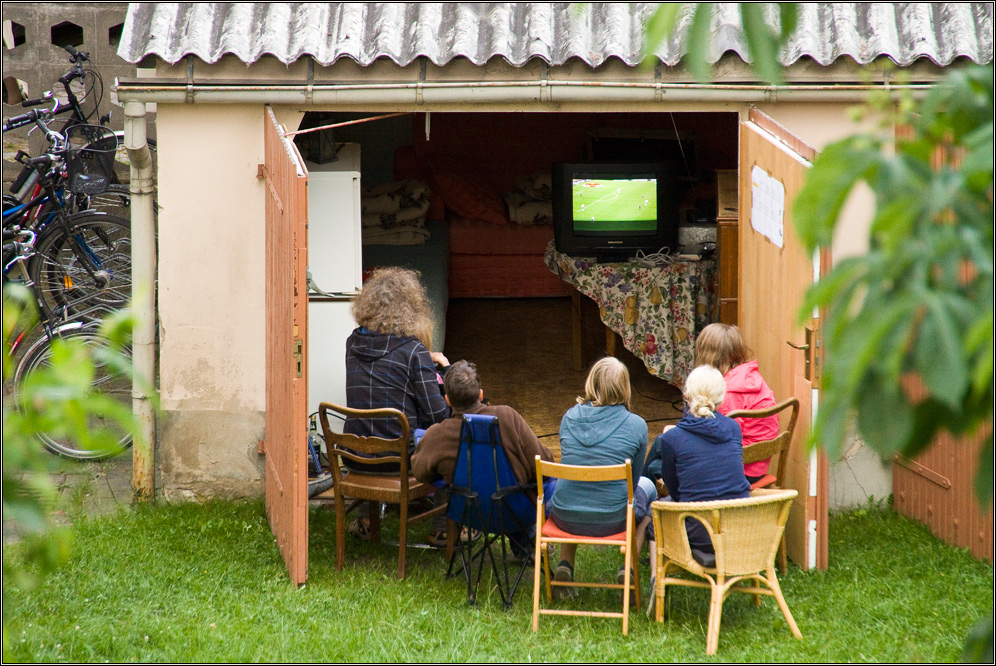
764, 481
551, 531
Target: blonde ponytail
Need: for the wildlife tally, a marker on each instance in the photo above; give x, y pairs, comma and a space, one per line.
704, 391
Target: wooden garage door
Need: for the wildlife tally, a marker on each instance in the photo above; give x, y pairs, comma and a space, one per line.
285, 441
775, 273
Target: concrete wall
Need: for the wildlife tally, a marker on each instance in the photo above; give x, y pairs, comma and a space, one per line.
211, 299
30, 56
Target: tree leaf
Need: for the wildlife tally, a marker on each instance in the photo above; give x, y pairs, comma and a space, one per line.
697, 47
660, 27
762, 42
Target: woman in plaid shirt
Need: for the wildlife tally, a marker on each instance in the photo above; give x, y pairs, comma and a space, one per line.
388, 362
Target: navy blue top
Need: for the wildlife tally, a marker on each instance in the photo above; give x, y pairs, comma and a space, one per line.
700, 460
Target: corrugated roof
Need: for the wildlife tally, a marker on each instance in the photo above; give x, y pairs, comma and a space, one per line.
553, 32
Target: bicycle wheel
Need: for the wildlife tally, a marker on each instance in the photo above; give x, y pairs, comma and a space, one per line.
66, 288
106, 379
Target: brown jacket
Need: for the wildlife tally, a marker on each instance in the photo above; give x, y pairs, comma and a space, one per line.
436, 453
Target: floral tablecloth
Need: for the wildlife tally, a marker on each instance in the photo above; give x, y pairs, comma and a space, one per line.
657, 311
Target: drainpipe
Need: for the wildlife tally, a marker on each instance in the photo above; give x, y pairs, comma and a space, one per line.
143, 300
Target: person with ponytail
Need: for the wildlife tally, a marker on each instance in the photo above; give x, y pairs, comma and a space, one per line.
701, 458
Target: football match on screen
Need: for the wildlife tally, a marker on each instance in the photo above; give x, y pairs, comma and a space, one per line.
624, 205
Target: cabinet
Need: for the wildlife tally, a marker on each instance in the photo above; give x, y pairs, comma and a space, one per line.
727, 244
335, 264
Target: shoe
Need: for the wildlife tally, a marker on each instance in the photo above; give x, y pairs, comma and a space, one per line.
360, 528
621, 576
438, 539
529, 556
564, 573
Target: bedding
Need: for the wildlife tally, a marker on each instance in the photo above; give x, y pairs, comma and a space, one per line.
395, 213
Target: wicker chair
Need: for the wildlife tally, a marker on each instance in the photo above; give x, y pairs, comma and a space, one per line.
745, 534
356, 487
764, 450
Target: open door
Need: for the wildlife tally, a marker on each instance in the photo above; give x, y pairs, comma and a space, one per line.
285, 441
775, 274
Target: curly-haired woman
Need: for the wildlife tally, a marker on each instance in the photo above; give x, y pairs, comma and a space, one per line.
388, 363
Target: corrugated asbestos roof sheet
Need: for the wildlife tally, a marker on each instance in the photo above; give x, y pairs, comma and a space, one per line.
553, 32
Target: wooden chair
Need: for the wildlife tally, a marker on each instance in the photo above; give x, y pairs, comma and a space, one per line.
357, 487
768, 448
745, 534
548, 533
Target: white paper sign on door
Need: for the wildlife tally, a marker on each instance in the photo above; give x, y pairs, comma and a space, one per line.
767, 212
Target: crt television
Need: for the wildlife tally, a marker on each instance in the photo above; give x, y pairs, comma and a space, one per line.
612, 211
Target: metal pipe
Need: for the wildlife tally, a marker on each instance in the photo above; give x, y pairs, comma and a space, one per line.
143, 300
499, 91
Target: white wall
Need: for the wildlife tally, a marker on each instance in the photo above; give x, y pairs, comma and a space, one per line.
211, 299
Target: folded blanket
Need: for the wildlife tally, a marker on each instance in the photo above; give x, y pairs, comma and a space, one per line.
532, 203
394, 213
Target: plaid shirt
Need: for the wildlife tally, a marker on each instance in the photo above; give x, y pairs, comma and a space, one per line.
389, 371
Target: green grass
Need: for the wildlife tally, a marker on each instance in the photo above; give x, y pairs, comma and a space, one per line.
204, 583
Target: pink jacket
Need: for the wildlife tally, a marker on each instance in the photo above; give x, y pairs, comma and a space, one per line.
746, 389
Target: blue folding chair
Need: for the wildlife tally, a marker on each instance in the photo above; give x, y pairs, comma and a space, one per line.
486, 496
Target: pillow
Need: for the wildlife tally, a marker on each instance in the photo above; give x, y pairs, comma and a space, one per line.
469, 197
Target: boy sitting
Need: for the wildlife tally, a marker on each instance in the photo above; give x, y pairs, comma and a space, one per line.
435, 455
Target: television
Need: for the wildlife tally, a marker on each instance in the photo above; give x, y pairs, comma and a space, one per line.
612, 211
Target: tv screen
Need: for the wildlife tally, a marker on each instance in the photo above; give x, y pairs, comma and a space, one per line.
614, 210
608, 205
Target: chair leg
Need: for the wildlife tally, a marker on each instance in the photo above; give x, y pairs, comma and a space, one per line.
402, 539
715, 616
782, 556
538, 561
777, 589
340, 535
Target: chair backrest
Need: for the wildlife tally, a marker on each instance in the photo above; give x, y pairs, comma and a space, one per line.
483, 470
348, 446
586, 473
745, 532
769, 447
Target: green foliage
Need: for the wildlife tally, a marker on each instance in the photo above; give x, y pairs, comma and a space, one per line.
917, 308
56, 399
763, 40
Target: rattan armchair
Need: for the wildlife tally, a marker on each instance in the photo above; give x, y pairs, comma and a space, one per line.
745, 534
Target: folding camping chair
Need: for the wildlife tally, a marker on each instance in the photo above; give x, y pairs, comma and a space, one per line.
486, 496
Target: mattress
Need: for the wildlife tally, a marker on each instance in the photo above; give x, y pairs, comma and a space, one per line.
475, 237
494, 261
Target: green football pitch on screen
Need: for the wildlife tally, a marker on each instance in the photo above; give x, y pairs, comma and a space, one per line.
615, 205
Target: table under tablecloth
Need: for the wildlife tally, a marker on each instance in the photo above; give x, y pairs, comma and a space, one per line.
656, 310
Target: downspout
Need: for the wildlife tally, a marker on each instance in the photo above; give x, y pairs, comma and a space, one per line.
143, 300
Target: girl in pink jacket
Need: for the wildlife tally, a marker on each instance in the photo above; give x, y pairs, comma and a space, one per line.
722, 346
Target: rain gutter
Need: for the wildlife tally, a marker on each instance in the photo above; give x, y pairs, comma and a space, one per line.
545, 91
143, 299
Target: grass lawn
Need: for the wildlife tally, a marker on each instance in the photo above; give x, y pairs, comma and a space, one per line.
204, 583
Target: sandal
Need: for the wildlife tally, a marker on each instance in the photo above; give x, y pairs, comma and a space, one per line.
438, 539
360, 528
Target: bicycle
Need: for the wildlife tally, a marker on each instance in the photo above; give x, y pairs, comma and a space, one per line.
116, 197
108, 379
81, 264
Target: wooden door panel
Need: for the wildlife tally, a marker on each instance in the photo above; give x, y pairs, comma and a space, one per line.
284, 445
773, 281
